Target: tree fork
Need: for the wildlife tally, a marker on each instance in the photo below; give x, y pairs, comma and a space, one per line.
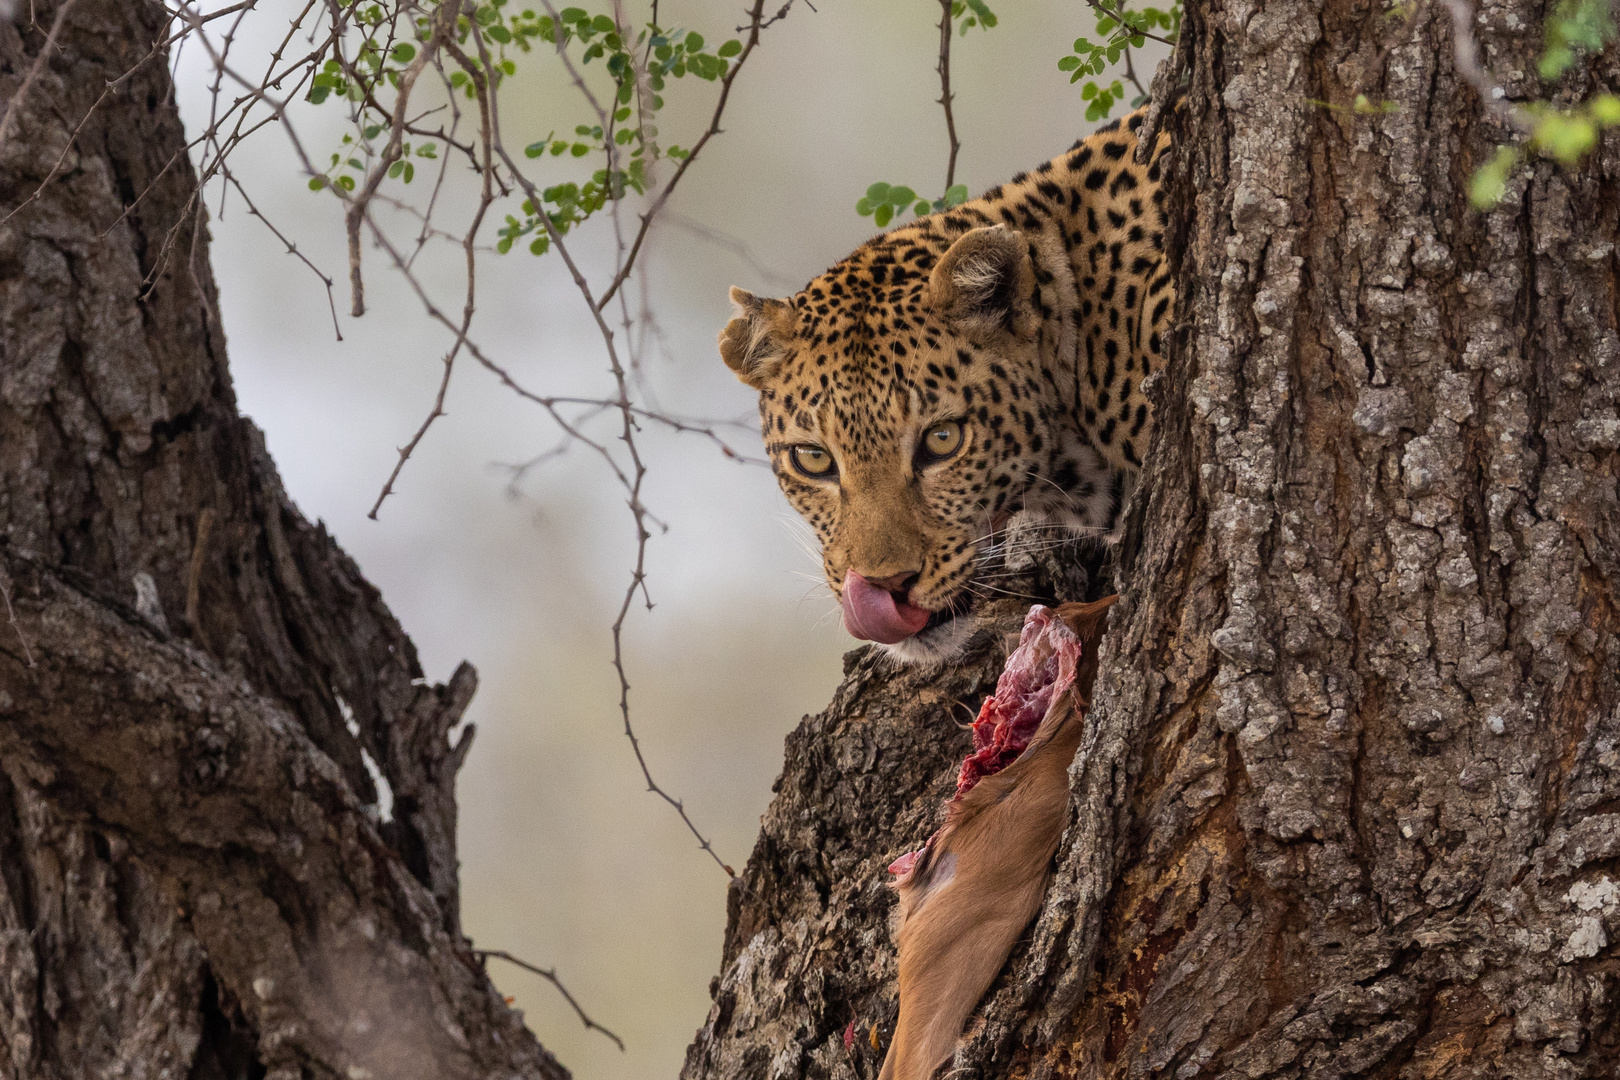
195, 876
1347, 804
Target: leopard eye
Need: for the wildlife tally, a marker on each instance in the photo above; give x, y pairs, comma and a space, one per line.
941, 441
812, 461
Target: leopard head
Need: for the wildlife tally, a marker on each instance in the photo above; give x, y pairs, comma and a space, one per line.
911, 407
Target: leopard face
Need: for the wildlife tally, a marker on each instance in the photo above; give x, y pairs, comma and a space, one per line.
931, 393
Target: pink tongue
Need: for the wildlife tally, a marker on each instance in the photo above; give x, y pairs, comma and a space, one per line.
874, 614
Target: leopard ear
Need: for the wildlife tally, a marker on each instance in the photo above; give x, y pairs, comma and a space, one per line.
985, 284
754, 341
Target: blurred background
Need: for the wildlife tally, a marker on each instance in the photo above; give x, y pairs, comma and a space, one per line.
567, 860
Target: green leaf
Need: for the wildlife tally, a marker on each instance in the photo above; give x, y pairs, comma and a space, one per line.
316, 183
1564, 137
923, 207
956, 195
404, 52
1586, 25
1489, 184
346, 182
505, 245
541, 245
900, 196
878, 193
882, 215
730, 48
395, 169
1555, 61
863, 206
317, 94
1605, 109
694, 42
603, 25
580, 149
1068, 63
499, 33
410, 172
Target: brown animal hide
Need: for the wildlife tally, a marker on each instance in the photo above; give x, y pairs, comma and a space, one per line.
968, 895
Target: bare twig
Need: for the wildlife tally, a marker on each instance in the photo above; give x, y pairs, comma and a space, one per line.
11, 617
443, 26
945, 95
1130, 72
14, 106
550, 975
778, 17
631, 482
1466, 54
292, 248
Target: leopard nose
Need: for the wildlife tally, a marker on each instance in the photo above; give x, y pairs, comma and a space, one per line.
896, 583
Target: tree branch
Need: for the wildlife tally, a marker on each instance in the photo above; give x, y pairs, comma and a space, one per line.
945, 96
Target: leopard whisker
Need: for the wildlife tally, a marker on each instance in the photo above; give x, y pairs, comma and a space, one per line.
1004, 592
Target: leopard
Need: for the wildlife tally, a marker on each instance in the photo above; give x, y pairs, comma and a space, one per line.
974, 374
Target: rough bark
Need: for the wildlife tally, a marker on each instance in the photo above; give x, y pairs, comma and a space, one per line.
195, 879
1349, 801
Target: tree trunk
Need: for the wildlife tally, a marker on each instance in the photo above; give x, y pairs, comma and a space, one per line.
196, 877
1349, 801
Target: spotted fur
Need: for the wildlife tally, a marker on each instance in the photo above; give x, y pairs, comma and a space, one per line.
1030, 316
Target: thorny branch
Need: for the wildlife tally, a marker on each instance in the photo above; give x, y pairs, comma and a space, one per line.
450, 42
550, 975
756, 23
443, 25
632, 480
945, 34
1130, 72
32, 77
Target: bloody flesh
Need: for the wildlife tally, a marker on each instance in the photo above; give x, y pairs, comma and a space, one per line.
1038, 671
1037, 674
